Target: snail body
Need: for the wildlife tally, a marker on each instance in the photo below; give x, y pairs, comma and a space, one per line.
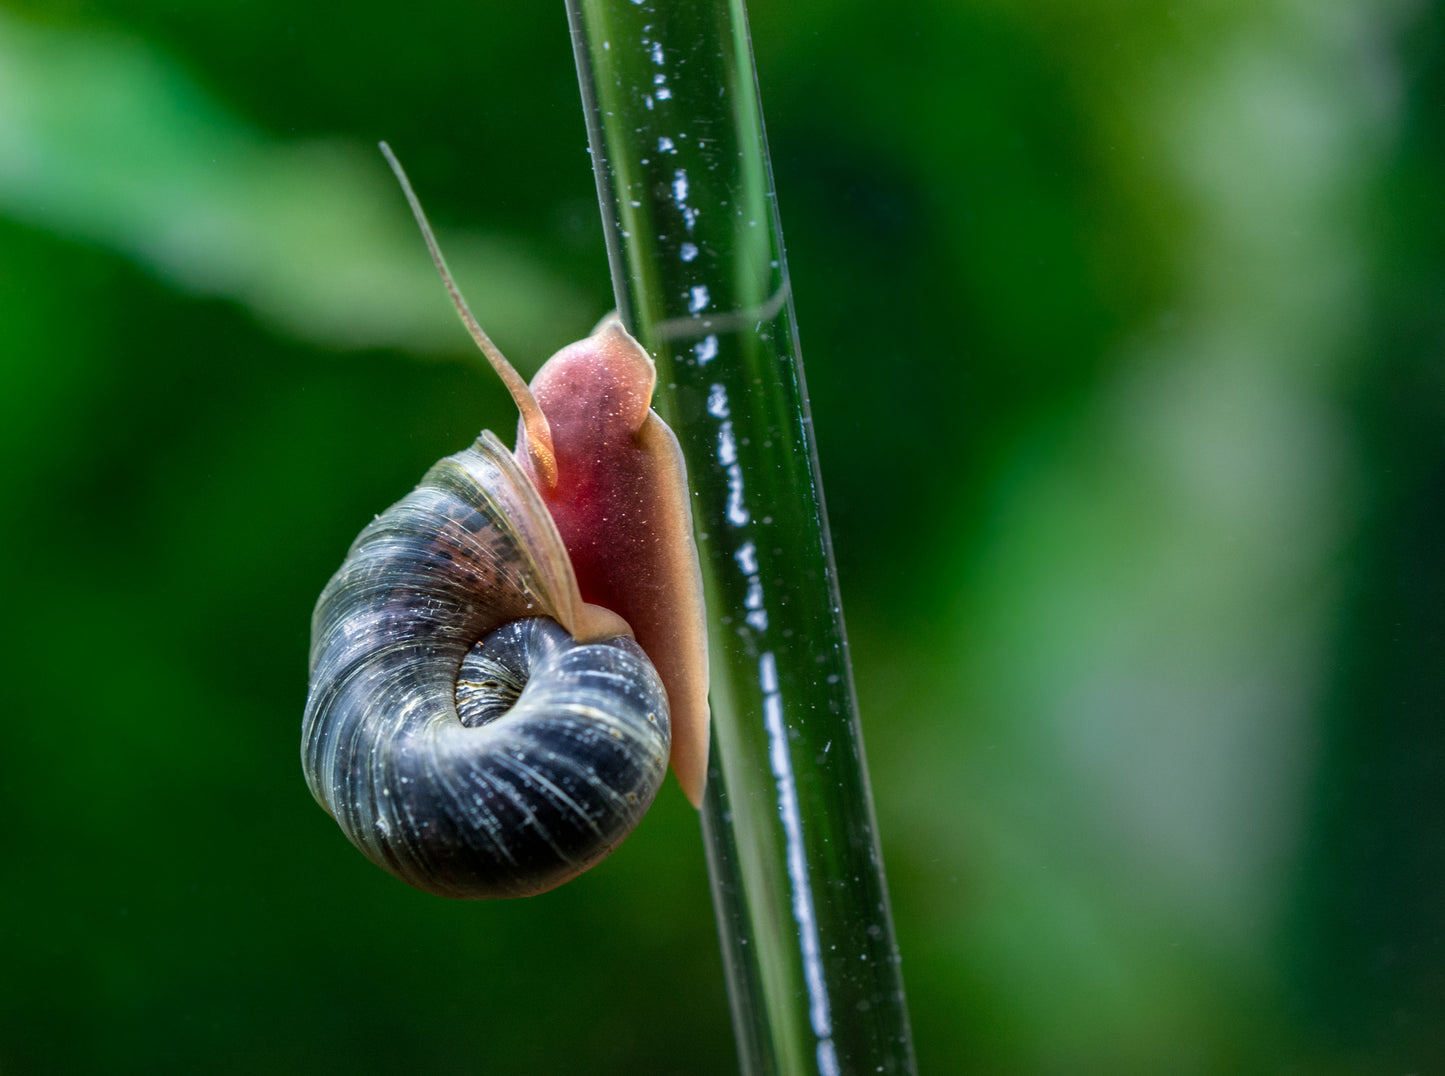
510, 656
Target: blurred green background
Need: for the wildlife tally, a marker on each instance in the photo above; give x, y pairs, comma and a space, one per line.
1123, 325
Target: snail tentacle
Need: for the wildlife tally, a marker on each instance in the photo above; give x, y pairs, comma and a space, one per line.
534, 422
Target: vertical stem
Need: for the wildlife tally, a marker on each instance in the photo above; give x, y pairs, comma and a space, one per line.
697, 263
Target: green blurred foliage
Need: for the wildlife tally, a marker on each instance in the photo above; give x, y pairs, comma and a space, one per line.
1124, 329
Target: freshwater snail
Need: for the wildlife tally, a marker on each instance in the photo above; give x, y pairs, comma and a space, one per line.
509, 656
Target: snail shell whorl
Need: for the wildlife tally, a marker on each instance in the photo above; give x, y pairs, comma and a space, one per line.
503, 799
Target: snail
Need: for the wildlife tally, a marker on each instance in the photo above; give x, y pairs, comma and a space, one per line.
511, 655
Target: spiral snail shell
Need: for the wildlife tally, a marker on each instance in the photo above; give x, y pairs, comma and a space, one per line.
510, 656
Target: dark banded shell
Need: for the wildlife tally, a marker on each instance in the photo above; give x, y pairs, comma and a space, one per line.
560, 747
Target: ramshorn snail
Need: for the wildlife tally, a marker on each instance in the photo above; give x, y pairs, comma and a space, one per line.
509, 656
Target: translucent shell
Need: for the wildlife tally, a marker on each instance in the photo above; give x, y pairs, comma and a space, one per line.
560, 747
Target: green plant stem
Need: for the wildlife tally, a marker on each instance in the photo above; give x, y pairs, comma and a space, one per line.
697, 262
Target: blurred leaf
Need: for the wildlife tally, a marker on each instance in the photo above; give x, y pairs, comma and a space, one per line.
105, 140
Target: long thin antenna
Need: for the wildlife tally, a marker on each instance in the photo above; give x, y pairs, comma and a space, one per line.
539, 433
